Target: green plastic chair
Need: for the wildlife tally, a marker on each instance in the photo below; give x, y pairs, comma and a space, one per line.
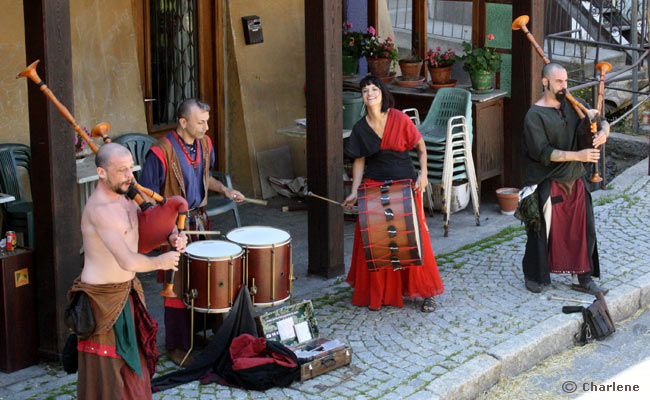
138, 144
219, 204
449, 102
18, 215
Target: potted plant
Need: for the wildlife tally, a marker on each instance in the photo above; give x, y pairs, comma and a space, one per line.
481, 64
439, 63
380, 54
411, 66
353, 45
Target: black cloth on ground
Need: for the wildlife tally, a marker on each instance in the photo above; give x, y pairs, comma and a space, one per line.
214, 357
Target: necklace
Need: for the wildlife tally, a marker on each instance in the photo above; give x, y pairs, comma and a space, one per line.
187, 149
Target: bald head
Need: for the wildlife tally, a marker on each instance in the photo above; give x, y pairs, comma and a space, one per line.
108, 152
550, 68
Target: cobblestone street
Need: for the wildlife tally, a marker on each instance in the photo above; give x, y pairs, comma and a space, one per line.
487, 324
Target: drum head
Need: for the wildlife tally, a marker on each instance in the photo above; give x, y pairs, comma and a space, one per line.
258, 236
213, 249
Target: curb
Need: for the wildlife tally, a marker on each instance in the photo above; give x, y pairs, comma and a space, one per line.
549, 337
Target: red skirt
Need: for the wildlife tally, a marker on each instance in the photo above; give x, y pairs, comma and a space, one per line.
388, 287
567, 242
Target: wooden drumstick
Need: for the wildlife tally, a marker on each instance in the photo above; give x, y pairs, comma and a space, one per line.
565, 299
324, 198
201, 232
256, 201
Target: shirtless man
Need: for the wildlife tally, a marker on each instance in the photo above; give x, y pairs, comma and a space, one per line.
112, 362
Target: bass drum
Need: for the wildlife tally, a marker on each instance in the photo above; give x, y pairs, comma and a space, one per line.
267, 263
215, 271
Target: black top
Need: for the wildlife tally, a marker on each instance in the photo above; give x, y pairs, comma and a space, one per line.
381, 164
547, 129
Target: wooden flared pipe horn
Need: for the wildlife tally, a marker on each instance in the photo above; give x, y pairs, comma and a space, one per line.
168, 290
101, 130
30, 72
602, 67
520, 24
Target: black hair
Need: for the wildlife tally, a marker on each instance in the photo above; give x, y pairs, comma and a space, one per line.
387, 100
186, 107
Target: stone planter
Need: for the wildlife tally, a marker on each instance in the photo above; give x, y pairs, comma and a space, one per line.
350, 65
508, 199
440, 75
379, 67
481, 80
410, 68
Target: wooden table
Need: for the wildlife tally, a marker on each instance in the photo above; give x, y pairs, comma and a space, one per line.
6, 198
487, 122
297, 138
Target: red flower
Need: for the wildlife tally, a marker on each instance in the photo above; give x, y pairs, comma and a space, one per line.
490, 37
438, 48
371, 30
388, 39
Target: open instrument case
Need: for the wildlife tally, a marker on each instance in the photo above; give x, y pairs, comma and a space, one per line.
295, 327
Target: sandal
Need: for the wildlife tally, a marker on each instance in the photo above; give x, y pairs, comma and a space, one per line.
429, 304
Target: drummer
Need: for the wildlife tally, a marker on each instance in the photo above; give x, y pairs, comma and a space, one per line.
189, 150
382, 140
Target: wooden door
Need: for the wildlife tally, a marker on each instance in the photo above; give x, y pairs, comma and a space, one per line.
180, 51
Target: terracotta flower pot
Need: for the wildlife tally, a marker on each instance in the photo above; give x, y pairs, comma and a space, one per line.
379, 67
440, 75
410, 68
508, 199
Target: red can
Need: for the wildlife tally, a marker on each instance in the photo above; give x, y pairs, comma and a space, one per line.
11, 240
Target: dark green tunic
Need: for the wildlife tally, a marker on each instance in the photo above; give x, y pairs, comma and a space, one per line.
547, 129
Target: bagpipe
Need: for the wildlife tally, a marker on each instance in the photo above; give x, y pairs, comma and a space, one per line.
589, 120
155, 222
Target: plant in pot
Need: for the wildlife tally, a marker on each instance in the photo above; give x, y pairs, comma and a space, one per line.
411, 66
439, 64
353, 45
380, 54
481, 64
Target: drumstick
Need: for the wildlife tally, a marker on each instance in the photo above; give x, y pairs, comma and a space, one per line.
565, 299
201, 232
256, 201
324, 198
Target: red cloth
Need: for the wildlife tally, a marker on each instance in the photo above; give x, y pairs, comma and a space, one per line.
387, 287
247, 351
568, 235
400, 134
156, 223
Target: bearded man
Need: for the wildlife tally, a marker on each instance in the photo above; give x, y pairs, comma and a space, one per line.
562, 237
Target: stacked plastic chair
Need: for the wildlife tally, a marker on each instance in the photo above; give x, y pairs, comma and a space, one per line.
447, 132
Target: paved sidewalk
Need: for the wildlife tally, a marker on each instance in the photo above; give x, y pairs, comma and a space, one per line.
487, 324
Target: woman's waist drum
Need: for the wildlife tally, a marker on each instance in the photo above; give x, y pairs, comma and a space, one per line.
389, 225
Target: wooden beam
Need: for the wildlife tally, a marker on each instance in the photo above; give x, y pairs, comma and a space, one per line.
373, 14
324, 138
478, 23
53, 173
526, 85
419, 33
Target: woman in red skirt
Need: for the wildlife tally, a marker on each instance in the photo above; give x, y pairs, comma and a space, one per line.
380, 144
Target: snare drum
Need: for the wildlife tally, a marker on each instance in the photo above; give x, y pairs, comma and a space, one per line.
389, 225
215, 270
267, 263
